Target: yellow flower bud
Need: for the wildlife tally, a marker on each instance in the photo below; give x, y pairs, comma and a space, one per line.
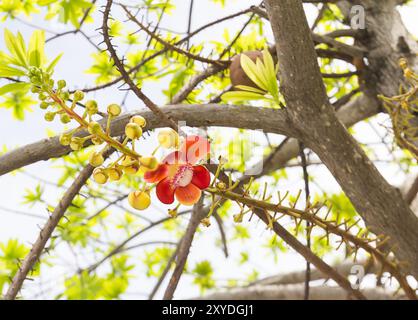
150, 163
168, 138
404, 104
94, 127
132, 169
96, 140
128, 160
91, 107
96, 159
237, 218
205, 222
221, 186
76, 143
139, 120
133, 131
139, 200
65, 139
130, 165
114, 110
114, 174
172, 212
403, 63
99, 175
408, 73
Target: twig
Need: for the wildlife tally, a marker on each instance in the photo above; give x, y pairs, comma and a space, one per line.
184, 249
120, 247
299, 247
164, 273
219, 221
308, 225
151, 105
171, 46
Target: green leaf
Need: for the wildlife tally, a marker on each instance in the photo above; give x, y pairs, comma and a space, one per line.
251, 89
36, 55
252, 72
271, 71
11, 87
53, 63
238, 96
7, 71
16, 47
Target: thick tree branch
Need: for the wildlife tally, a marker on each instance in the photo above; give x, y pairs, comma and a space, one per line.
293, 242
184, 248
381, 205
295, 292
245, 117
296, 277
125, 74
356, 110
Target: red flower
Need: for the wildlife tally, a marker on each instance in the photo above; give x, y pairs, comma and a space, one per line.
178, 176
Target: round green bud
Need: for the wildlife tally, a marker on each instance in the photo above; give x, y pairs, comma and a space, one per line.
33, 70
65, 118
49, 116
35, 80
78, 95
44, 105
65, 95
114, 110
42, 96
35, 89
61, 84
94, 127
91, 107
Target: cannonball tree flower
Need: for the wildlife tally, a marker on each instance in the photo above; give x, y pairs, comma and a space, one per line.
178, 176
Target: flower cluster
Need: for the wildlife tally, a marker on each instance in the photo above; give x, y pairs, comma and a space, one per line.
176, 176
403, 108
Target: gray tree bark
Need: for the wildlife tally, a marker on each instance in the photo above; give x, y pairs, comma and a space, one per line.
381, 205
296, 292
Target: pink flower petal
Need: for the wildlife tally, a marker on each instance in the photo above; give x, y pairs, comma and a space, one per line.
156, 175
201, 177
165, 191
188, 195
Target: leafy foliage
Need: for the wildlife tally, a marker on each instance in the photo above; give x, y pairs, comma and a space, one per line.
16, 63
263, 74
11, 253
